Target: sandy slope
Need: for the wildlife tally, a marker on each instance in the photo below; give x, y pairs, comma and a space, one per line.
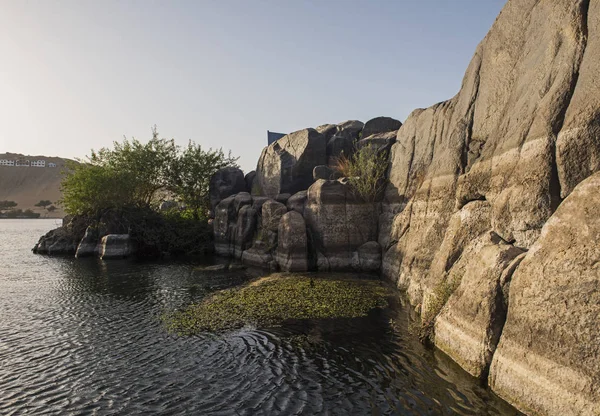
28, 185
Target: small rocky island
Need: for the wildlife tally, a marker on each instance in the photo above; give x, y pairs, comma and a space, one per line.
488, 219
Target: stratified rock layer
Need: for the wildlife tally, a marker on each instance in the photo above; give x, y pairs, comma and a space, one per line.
547, 361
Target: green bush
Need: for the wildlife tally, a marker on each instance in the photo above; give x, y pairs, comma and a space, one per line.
365, 171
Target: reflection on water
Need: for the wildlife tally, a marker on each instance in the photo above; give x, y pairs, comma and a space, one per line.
85, 336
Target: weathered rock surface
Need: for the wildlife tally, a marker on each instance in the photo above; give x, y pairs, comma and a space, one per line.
245, 229
547, 361
292, 249
499, 130
323, 172
343, 140
62, 240
464, 227
224, 225
470, 324
381, 141
297, 202
380, 125
367, 258
225, 182
115, 246
88, 246
338, 223
286, 165
249, 179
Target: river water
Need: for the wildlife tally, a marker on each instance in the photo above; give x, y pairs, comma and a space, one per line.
86, 337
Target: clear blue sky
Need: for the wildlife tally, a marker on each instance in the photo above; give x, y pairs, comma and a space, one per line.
76, 75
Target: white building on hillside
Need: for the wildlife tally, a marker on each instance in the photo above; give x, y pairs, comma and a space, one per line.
38, 163
6, 162
22, 162
51, 165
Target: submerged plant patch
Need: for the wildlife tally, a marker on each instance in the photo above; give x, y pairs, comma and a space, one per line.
277, 298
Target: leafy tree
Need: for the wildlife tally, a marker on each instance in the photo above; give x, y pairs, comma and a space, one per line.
133, 175
91, 189
51, 209
145, 165
7, 205
191, 172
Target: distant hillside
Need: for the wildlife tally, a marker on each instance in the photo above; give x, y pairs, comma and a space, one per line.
27, 185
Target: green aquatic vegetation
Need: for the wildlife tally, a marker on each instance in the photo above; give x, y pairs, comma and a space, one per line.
272, 300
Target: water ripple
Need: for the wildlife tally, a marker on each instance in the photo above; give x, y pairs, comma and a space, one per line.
85, 337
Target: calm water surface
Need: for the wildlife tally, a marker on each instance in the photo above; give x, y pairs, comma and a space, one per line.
85, 337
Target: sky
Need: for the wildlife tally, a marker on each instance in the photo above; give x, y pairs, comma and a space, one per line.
78, 75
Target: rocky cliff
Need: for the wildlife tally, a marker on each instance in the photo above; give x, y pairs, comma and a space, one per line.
489, 218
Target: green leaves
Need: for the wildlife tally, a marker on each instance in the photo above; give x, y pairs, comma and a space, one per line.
136, 174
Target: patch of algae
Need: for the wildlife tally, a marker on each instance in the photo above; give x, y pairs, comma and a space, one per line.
274, 299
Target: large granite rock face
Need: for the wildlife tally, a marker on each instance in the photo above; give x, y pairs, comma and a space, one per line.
225, 182
470, 324
286, 165
338, 223
547, 361
292, 249
380, 125
495, 140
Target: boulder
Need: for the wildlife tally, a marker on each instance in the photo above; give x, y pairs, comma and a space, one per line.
225, 182
381, 141
88, 246
343, 140
547, 359
367, 258
245, 230
272, 211
240, 200
339, 224
224, 226
292, 252
327, 130
283, 198
323, 172
297, 202
249, 179
265, 241
115, 246
286, 165
469, 325
464, 227
63, 240
380, 125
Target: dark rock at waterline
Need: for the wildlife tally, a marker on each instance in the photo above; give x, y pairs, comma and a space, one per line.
115, 246
292, 248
